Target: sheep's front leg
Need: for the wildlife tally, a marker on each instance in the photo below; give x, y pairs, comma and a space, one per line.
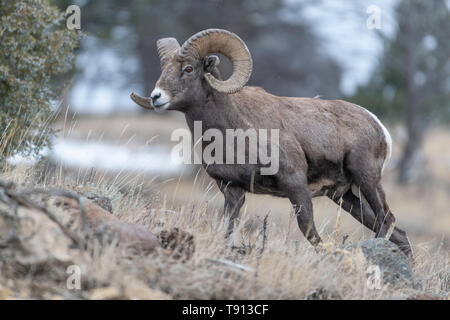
234, 199
302, 203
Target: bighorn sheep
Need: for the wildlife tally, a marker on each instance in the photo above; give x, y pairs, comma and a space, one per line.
325, 146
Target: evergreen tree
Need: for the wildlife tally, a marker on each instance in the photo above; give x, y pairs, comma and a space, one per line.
35, 46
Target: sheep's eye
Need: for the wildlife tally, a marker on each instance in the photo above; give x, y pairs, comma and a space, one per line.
188, 69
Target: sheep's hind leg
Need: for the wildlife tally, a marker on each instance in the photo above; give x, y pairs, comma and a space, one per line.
366, 173
365, 215
384, 218
389, 216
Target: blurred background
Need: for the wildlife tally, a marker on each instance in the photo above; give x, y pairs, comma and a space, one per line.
389, 56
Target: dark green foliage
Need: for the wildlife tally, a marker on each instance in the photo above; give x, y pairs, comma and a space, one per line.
35, 46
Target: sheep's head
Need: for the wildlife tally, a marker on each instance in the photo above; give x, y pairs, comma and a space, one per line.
188, 71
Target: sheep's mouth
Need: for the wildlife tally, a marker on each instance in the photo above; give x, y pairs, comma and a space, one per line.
162, 106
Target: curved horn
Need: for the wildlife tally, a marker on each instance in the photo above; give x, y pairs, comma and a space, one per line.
166, 48
228, 44
142, 101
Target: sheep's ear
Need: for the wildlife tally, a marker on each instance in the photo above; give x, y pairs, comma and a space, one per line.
210, 62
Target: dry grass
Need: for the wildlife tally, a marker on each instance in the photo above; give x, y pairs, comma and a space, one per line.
287, 268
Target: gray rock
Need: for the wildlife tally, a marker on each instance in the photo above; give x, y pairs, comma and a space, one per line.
394, 264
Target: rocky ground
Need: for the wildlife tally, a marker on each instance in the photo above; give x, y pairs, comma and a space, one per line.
71, 243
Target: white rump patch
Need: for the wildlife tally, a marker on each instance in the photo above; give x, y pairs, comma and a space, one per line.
387, 138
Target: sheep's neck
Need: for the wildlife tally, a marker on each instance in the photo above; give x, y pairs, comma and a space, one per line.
217, 111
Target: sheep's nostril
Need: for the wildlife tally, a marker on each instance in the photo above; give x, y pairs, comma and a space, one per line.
156, 96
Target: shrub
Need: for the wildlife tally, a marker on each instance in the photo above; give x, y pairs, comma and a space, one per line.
35, 46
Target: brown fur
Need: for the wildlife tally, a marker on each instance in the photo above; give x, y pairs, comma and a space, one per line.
325, 146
